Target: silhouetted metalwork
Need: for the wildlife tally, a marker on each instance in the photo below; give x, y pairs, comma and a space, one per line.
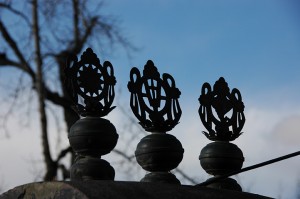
90, 84
221, 111
154, 100
262, 164
91, 87
219, 158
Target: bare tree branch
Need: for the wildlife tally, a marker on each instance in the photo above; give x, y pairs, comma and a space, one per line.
76, 21
124, 155
63, 153
11, 42
4, 61
185, 176
85, 24
11, 9
55, 98
82, 40
51, 172
65, 171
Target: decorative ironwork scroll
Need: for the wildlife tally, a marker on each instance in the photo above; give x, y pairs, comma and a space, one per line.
90, 84
221, 111
154, 100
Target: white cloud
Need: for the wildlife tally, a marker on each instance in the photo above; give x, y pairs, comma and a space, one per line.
262, 140
287, 131
268, 133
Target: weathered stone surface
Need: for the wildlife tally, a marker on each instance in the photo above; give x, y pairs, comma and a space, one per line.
120, 190
41, 190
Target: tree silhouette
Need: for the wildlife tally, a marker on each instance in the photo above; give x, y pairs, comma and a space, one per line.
36, 39
37, 34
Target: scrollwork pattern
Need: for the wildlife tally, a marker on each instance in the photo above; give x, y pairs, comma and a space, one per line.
154, 100
91, 85
221, 112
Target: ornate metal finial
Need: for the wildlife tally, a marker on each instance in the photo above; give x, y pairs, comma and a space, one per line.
91, 87
154, 100
90, 84
221, 111
222, 114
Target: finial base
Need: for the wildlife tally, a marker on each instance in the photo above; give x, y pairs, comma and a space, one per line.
227, 183
90, 168
159, 152
91, 138
161, 177
218, 158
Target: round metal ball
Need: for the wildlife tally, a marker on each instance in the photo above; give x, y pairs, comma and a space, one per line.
161, 177
227, 183
90, 168
93, 136
159, 152
219, 158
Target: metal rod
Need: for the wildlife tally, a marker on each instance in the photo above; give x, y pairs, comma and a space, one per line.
217, 178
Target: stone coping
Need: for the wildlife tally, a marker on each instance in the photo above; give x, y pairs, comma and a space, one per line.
120, 190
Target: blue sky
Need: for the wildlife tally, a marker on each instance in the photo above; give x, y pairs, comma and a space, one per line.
254, 44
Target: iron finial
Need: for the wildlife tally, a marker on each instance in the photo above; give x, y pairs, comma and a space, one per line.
91, 85
154, 100
221, 111
222, 114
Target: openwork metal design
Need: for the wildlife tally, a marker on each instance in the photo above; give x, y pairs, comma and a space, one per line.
90, 84
154, 100
221, 112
